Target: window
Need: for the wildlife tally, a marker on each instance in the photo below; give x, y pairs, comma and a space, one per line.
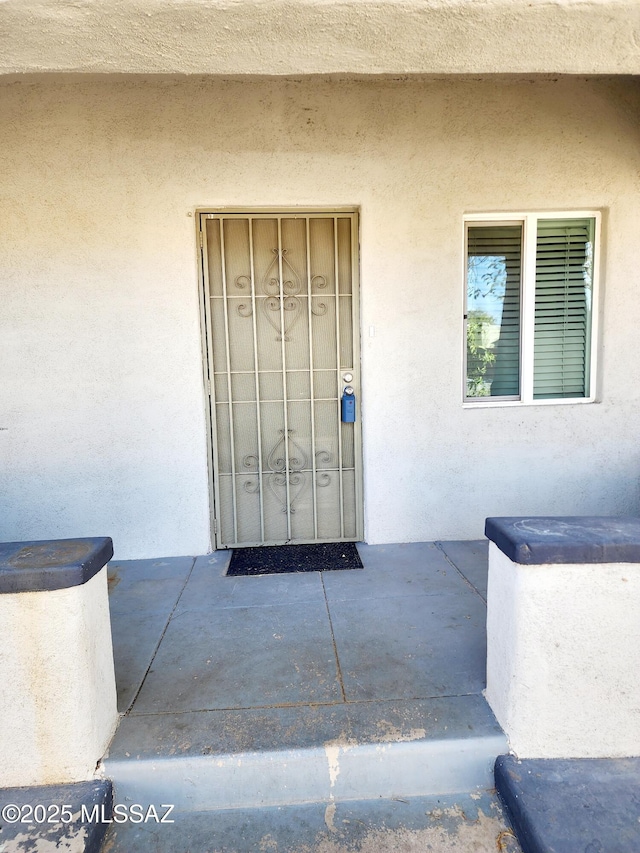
530, 307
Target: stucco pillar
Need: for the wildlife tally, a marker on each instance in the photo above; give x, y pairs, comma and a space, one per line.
58, 698
563, 635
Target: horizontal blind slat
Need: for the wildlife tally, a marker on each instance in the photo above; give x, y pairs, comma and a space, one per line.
562, 317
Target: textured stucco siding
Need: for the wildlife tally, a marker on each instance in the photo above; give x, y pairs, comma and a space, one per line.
289, 37
58, 701
103, 410
562, 657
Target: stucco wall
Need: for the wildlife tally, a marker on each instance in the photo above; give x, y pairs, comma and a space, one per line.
563, 645
58, 701
102, 413
288, 37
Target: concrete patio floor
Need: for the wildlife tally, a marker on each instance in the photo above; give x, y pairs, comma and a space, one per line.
314, 700
408, 626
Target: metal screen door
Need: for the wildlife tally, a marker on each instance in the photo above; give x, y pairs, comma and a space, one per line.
282, 327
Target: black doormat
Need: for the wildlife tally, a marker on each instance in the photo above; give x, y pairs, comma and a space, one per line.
276, 559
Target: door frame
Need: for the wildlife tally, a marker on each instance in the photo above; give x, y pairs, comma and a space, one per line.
200, 215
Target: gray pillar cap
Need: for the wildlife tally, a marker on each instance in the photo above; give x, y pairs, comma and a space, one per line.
541, 540
52, 563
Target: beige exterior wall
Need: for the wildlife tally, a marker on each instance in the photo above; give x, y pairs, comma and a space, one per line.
102, 417
288, 37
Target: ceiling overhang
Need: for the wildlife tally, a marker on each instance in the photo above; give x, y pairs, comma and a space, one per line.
313, 37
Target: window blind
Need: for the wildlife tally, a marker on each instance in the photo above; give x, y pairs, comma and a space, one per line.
563, 308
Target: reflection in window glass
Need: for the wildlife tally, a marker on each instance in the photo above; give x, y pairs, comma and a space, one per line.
494, 263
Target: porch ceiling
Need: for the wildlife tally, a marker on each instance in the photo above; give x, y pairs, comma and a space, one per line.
300, 37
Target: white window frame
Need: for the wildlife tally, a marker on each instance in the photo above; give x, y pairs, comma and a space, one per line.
529, 221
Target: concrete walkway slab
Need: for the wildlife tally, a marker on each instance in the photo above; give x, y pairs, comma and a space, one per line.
136, 585
209, 588
133, 651
411, 646
470, 558
142, 597
243, 657
415, 568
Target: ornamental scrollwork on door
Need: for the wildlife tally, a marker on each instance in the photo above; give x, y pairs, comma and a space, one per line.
278, 476
285, 298
323, 478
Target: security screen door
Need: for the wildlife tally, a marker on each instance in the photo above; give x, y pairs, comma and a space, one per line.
282, 328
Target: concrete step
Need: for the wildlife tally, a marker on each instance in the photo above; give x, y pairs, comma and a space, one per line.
460, 823
216, 760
